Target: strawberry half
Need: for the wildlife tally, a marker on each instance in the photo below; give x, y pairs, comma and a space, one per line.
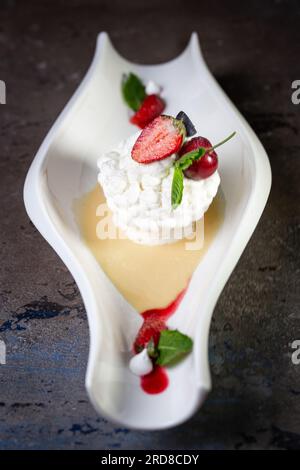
160, 139
150, 329
151, 107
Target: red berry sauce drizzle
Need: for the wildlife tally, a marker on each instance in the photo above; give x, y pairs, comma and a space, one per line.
154, 322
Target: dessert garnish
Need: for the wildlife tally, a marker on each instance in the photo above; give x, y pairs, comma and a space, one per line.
144, 101
157, 346
151, 107
160, 139
197, 160
141, 363
189, 126
172, 347
167, 348
163, 137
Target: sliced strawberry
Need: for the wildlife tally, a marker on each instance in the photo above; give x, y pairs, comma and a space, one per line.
160, 139
151, 107
150, 329
154, 322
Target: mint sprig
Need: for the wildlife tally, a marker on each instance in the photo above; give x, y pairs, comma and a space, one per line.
177, 187
189, 158
184, 162
133, 91
178, 177
172, 346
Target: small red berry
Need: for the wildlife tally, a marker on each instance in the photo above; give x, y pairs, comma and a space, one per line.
150, 329
151, 107
204, 167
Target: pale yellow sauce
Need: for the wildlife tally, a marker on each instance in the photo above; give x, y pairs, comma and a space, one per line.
147, 276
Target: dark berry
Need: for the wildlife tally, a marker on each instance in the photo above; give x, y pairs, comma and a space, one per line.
190, 128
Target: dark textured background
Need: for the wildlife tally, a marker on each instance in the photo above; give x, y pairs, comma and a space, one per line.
253, 49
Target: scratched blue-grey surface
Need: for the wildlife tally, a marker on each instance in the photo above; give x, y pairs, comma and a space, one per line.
253, 49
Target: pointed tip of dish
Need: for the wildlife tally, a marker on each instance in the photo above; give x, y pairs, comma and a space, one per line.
194, 43
194, 38
103, 39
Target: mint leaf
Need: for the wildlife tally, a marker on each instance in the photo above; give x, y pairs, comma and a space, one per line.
133, 91
180, 165
189, 158
177, 187
172, 347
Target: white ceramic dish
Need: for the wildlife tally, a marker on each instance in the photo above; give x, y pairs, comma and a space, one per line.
65, 168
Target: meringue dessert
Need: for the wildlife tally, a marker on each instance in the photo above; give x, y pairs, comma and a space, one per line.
138, 175
138, 196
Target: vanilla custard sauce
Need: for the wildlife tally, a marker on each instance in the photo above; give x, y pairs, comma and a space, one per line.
147, 276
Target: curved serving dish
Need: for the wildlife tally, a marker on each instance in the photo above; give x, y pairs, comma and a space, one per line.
65, 168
